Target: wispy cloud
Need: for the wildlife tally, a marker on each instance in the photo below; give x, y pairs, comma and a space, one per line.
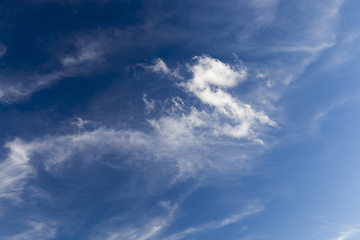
250, 210
312, 36
348, 234
15, 171
37, 230
15, 87
150, 230
88, 50
303, 40
2, 49
313, 125
155, 227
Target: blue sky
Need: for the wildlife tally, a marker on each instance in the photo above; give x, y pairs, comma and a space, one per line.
144, 120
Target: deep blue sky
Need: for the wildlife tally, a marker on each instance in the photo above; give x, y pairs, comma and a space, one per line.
207, 120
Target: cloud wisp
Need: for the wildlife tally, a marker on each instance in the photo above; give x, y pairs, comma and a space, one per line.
155, 228
37, 230
251, 209
14, 87
349, 234
148, 230
15, 171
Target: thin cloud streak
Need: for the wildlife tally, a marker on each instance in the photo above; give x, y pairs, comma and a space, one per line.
37, 230
251, 209
150, 230
15, 170
14, 88
352, 232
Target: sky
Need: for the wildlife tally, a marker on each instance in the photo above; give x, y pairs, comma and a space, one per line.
170, 120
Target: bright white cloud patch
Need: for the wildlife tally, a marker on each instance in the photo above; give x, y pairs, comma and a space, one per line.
209, 71
211, 78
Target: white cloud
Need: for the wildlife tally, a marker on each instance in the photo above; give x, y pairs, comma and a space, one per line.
212, 72
160, 66
80, 123
209, 82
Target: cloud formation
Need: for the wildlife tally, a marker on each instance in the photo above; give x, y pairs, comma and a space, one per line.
206, 134
352, 232
183, 129
210, 80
